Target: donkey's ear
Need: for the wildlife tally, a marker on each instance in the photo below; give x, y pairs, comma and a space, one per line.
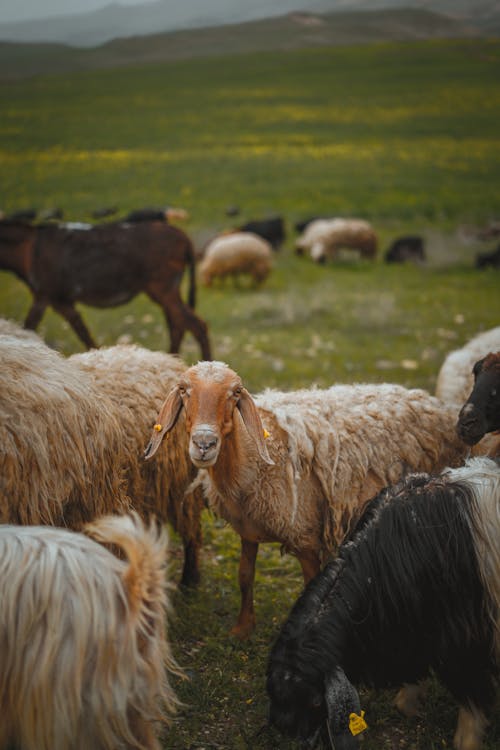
345, 718
166, 419
253, 423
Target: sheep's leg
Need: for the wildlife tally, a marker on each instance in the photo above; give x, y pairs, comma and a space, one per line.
35, 314
191, 568
245, 624
310, 564
471, 726
75, 320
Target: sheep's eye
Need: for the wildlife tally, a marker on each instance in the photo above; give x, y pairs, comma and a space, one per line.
182, 390
237, 392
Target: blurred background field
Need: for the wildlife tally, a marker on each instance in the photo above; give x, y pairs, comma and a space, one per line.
404, 135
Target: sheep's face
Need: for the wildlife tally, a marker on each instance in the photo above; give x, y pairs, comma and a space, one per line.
297, 708
481, 412
310, 706
208, 393
209, 406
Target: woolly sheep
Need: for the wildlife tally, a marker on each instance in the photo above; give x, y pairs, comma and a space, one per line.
234, 254
416, 590
134, 381
73, 433
323, 238
480, 414
455, 380
84, 660
62, 452
326, 454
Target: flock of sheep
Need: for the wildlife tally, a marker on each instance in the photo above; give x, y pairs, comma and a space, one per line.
101, 449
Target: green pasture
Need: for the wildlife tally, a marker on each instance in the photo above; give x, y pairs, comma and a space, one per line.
404, 135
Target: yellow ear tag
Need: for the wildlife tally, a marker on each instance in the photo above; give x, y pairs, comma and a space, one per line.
357, 723
158, 427
266, 433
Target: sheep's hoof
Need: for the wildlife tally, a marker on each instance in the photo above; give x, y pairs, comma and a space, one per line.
242, 631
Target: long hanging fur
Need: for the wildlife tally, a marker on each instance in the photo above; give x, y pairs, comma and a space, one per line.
84, 662
416, 589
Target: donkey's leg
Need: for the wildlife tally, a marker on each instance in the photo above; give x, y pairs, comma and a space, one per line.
35, 313
181, 318
76, 322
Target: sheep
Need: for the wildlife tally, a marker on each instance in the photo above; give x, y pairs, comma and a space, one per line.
234, 254
416, 589
455, 382
134, 381
481, 412
455, 378
409, 247
324, 238
62, 453
327, 452
84, 659
73, 431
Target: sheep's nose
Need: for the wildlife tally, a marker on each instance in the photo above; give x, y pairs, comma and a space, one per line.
470, 425
204, 440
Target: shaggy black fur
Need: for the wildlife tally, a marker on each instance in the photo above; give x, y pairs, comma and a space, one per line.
403, 598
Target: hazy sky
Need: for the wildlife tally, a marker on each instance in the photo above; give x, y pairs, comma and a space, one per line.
21, 10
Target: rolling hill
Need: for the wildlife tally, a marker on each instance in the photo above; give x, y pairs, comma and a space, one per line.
293, 31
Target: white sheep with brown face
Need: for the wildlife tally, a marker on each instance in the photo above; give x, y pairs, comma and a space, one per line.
297, 468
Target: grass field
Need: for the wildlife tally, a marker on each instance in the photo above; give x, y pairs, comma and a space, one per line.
404, 135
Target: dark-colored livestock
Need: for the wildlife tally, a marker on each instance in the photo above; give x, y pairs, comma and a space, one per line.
102, 213
409, 248
272, 229
104, 266
481, 412
300, 226
485, 260
24, 214
415, 591
146, 214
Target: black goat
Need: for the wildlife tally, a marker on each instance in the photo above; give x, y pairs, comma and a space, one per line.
416, 590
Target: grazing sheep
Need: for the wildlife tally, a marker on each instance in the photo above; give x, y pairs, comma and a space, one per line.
485, 260
408, 248
323, 238
234, 254
416, 590
134, 381
455, 378
84, 662
62, 448
327, 453
481, 412
271, 229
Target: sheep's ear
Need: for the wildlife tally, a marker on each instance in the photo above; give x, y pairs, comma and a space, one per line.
252, 421
345, 718
167, 417
478, 367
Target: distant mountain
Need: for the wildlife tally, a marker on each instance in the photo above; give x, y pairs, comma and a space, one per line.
118, 21
293, 31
